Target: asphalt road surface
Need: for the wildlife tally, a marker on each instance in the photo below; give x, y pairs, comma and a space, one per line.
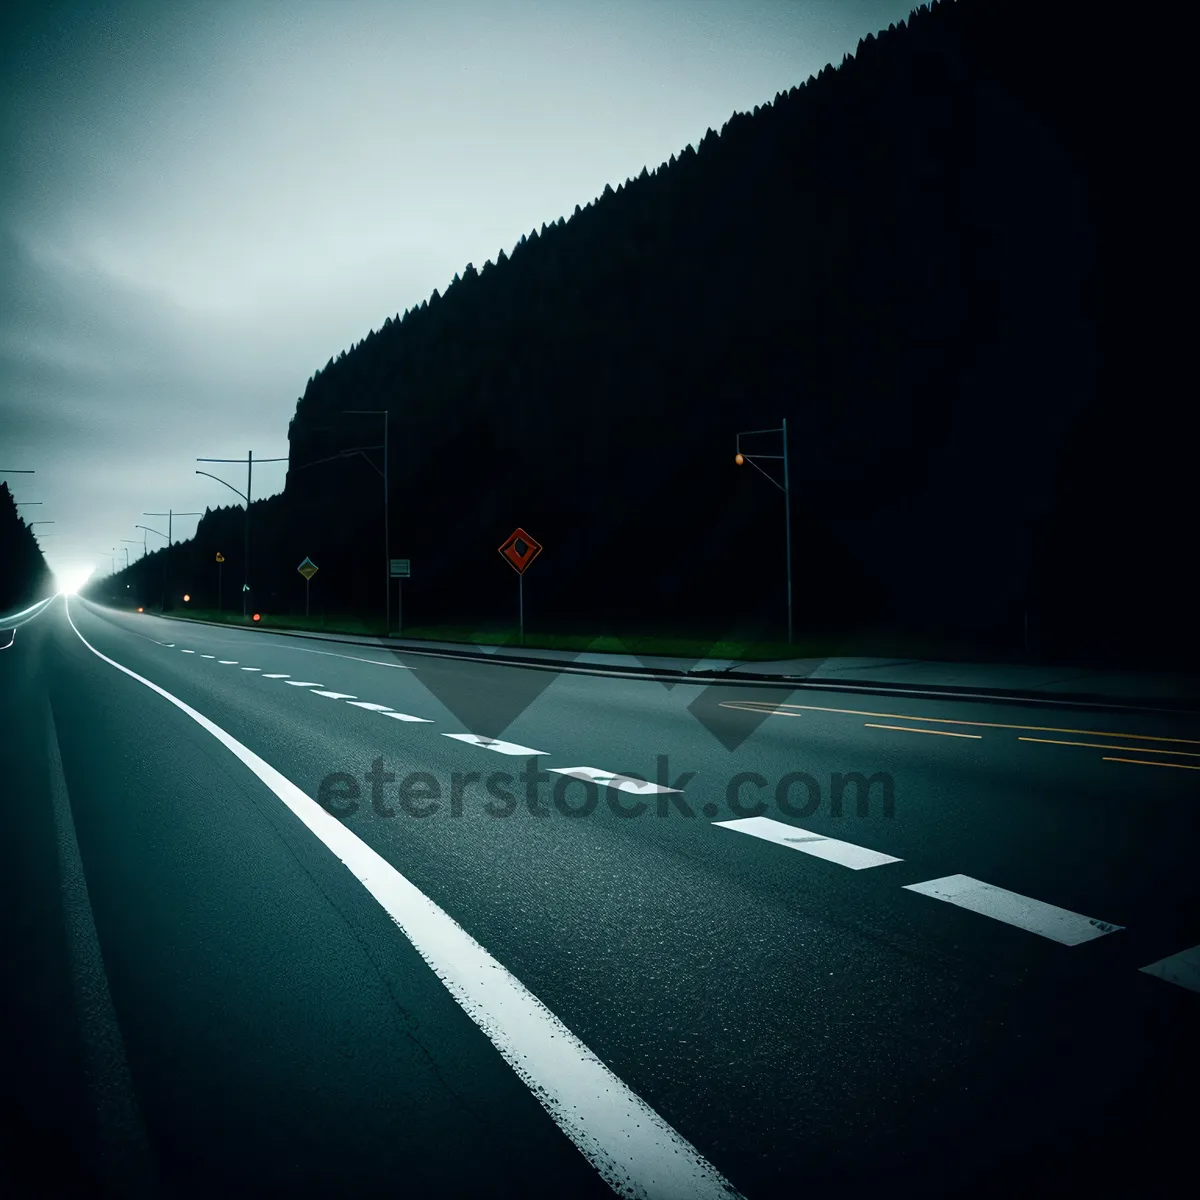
302, 918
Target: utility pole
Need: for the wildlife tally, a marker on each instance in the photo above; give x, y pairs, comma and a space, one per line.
249, 461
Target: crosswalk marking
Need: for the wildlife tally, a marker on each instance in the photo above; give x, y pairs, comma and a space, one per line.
846, 854
1182, 968
1034, 916
622, 783
473, 739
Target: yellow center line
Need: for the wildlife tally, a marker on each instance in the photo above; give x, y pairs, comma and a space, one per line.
943, 732
764, 706
1098, 746
1146, 763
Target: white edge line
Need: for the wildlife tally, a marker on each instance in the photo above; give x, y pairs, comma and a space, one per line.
633, 1148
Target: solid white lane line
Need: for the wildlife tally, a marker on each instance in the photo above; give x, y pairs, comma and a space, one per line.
302, 683
383, 708
473, 739
1034, 916
408, 717
845, 854
277, 677
10, 641
635, 1150
1182, 968
622, 783
334, 695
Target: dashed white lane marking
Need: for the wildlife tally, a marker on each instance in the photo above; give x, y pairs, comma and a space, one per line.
252, 668
334, 695
1145, 762
845, 854
277, 677
302, 683
635, 1150
208, 656
353, 658
227, 662
187, 652
1182, 968
1034, 916
906, 729
383, 708
623, 783
408, 717
473, 739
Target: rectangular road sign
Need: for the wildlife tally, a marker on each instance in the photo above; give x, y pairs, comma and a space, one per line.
401, 568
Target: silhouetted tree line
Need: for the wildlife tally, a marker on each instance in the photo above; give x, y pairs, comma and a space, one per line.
24, 575
918, 258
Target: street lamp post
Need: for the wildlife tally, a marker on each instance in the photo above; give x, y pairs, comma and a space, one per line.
360, 450
145, 530
387, 574
249, 461
740, 458
170, 514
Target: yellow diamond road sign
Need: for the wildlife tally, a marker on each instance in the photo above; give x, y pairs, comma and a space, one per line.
220, 556
307, 568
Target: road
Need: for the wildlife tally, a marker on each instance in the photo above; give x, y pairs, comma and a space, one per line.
302, 917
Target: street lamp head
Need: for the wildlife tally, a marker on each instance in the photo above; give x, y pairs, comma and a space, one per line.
737, 458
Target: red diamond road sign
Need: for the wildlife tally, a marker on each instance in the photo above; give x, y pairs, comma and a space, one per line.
520, 550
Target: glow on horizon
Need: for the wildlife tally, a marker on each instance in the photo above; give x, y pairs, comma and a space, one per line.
71, 579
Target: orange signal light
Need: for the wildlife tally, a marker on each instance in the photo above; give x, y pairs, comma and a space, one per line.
186, 599
139, 610
737, 458
257, 617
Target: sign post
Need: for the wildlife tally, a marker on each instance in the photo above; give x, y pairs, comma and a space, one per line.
400, 569
220, 569
308, 569
519, 551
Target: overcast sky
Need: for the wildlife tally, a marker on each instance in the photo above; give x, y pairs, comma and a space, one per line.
201, 203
